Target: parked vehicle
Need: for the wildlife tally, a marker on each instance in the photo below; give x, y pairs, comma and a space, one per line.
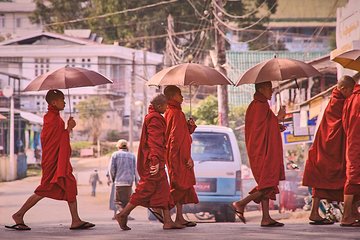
217, 164
217, 169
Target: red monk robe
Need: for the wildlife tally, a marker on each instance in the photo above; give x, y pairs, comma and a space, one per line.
351, 124
264, 147
57, 180
152, 191
178, 151
325, 167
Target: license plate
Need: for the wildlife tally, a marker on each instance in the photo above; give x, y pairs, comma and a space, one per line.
205, 185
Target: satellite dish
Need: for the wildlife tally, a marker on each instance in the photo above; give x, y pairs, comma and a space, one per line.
8, 91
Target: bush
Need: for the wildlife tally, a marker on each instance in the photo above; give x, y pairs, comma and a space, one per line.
77, 146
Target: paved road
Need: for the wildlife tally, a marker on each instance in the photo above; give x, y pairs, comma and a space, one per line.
50, 219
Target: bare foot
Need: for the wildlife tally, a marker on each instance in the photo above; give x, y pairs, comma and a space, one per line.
172, 225
18, 219
267, 221
122, 220
315, 218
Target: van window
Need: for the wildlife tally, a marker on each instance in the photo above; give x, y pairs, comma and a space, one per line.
210, 146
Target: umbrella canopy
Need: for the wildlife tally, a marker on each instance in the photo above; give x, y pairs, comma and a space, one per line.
350, 59
277, 69
67, 77
189, 74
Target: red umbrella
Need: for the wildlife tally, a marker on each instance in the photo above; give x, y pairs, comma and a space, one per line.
65, 78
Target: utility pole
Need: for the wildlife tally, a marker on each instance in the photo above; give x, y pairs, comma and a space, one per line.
222, 92
131, 115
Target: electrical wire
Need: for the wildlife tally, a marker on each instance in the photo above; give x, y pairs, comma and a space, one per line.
111, 14
234, 16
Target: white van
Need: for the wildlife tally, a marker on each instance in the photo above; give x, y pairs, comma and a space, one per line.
217, 161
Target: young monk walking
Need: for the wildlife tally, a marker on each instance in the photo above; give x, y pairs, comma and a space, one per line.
153, 190
351, 124
264, 147
57, 180
325, 167
178, 154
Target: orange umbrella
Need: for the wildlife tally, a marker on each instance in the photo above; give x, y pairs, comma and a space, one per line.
350, 59
277, 69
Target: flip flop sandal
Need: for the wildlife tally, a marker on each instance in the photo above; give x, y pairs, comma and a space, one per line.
274, 224
354, 224
190, 224
239, 214
158, 216
324, 221
85, 225
19, 227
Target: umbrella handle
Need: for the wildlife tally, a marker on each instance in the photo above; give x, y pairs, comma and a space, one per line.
69, 101
190, 101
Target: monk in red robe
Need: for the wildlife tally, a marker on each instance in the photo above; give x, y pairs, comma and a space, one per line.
178, 154
264, 147
351, 124
57, 180
325, 167
153, 190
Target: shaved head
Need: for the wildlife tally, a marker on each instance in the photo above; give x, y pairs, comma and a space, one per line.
346, 85
158, 100
347, 82
258, 86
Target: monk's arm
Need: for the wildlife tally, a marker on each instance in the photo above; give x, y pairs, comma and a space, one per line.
155, 140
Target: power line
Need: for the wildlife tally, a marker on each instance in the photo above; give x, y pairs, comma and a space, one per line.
113, 13
234, 16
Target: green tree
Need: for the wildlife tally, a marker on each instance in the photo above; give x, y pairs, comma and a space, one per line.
134, 29
207, 111
91, 113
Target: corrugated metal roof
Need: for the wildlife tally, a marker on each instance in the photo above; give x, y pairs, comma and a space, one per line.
239, 62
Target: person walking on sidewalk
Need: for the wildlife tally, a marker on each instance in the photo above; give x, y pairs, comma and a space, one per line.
94, 179
57, 181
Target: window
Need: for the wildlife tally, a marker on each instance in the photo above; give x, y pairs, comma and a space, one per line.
41, 67
18, 22
2, 21
210, 146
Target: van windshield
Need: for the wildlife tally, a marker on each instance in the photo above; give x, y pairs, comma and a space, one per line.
210, 146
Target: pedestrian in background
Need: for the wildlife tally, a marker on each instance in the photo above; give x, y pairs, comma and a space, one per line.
122, 171
94, 179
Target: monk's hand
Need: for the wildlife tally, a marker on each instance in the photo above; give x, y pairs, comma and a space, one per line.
281, 114
190, 163
191, 122
154, 169
282, 127
71, 123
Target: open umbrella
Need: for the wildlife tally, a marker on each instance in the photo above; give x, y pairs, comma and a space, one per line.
349, 59
188, 74
65, 78
277, 69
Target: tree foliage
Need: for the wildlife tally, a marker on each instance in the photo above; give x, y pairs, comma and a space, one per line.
91, 112
134, 29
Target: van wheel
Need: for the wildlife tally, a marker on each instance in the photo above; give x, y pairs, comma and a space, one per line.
225, 214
